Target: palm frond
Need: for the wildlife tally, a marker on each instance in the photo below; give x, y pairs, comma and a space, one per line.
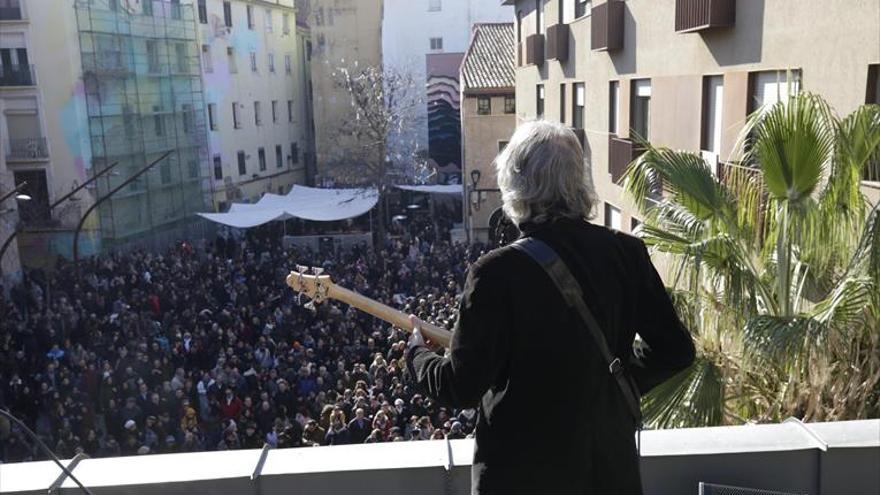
693, 397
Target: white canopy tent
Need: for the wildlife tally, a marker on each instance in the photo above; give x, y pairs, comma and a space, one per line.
435, 189
307, 203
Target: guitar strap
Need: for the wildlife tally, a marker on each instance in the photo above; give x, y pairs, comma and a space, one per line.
565, 282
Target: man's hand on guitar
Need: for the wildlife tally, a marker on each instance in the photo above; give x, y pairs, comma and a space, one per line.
416, 339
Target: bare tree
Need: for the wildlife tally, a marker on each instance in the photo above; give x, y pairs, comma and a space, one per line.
384, 107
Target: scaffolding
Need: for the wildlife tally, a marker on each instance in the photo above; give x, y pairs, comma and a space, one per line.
144, 97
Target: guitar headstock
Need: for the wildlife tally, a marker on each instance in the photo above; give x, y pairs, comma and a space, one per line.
315, 285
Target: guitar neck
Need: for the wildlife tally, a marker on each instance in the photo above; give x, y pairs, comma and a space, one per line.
397, 318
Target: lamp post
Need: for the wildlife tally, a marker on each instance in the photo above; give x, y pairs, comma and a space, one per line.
62, 199
107, 196
16, 191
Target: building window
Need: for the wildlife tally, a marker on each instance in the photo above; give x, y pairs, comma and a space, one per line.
713, 92
148, 8
434, 6
502, 145
539, 16
227, 14
612, 217
152, 56
180, 55
436, 43
236, 122
288, 65
203, 10
274, 111
285, 23
279, 156
772, 86
269, 26
484, 105
113, 5
582, 7
635, 226
158, 121
193, 167
539, 105
613, 106
175, 9
294, 152
165, 172
218, 168
509, 104
872, 96
290, 110
186, 114
253, 61
206, 59
579, 107
250, 16
272, 62
519, 18
562, 103
640, 109
258, 118
230, 60
212, 116
242, 166
261, 153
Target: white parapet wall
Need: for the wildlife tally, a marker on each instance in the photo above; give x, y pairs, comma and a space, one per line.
816, 459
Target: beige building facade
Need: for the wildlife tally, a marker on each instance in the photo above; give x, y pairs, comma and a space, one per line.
683, 74
488, 118
345, 33
255, 71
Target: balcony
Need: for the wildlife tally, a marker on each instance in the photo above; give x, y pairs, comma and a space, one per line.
606, 26
17, 75
697, 15
621, 152
557, 42
25, 149
535, 50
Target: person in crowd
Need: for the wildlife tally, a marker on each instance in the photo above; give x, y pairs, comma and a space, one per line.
164, 349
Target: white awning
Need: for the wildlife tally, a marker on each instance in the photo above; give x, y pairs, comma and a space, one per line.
436, 189
307, 203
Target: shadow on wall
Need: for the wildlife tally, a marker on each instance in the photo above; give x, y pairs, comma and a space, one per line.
625, 60
742, 43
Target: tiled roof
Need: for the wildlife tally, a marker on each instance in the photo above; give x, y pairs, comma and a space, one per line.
489, 62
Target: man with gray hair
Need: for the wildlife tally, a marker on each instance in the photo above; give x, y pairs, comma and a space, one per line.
517, 342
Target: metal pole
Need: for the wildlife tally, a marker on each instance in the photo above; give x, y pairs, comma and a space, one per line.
15, 190
106, 197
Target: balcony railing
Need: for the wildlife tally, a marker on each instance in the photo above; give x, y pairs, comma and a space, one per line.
17, 75
696, 15
535, 50
27, 149
606, 26
557, 42
621, 152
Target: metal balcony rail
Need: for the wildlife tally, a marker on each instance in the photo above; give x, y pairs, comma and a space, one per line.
17, 75
27, 148
696, 15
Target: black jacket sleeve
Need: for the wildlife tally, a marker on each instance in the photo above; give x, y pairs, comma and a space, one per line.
671, 348
480, 342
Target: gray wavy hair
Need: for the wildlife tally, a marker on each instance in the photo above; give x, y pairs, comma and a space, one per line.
542, 175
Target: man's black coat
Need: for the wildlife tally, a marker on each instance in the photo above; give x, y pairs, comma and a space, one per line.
551, 418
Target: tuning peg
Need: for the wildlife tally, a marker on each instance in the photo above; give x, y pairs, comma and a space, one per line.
302, 269
317, 270
311, 306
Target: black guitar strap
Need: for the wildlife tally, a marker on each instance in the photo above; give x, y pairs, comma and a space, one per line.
556, 269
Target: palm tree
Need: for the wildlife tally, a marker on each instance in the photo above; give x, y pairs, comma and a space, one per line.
775, 268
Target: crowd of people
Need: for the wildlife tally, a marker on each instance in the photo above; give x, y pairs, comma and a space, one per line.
206, 348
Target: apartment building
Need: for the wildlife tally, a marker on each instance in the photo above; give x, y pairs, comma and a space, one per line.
488, 118
683, 73
258, 110
344, 33
427, 40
